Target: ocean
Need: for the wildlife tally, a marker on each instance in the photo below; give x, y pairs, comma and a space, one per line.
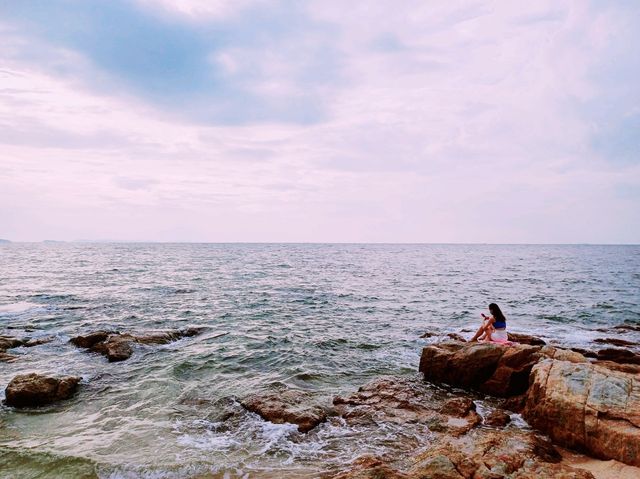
325, 318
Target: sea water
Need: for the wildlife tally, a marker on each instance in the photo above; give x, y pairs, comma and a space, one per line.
325, 318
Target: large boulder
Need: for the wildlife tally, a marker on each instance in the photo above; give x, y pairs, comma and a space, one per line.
588, 407
288, 406
492, 368
31, 390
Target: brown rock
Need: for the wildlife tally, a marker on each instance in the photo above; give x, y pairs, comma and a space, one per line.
458, 407
90, 339
8, 342
456, 337
30, 390
587, 407
492, 454
119, 346
623, 356
492, 368
369, 467
289, 406
585, 352
614, 342
7, 358
525, 339
116, 348
626, 327
497, 418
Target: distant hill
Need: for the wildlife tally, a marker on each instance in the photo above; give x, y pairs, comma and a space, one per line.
4, 241
52, 241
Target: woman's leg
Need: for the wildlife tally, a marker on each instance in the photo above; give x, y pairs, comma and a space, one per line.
480, 332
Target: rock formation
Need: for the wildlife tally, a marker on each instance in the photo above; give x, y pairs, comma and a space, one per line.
32, 390
289, 406
117, 346
587, 407
591, 406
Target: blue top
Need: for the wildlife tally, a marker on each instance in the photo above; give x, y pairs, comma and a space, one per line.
500, 324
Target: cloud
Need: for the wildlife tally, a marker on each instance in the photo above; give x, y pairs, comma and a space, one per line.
281, 121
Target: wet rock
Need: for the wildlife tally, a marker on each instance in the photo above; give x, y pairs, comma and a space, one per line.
585, 352
525, 339
428, 335
515, 403
458, 407
625, 368
497, 418
370, 467
488, 367
626, 327
90, 339
8, 342
119, 346
403, 401
289, 406
31, 390
584, 406
7, 358
623, 356
456, 337
115, 348
614, 342
492, 454
488, 454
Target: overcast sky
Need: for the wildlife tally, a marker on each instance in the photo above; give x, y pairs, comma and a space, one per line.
359, 121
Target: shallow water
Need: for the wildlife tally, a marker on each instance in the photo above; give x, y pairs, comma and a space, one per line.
324, 318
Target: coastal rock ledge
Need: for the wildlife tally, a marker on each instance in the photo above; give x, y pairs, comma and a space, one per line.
117, 346
32, 390
581, 405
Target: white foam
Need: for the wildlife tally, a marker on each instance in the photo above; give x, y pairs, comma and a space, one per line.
19, 307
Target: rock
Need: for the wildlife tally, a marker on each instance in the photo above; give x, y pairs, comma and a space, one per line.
515, 403
525, 339
31, 390
119, 346
90, 339
493, 454
115, 348
584, 406
370, 467
8, 342
456, 337
585, 352
403, 401
458, 407
7, 358
428, 335
489, 454
289, 406
625, 368
626, 327
488, 367
614, 342
623, 356
563, 354
497, 418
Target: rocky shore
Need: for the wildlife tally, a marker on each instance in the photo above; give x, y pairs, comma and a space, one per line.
584, 404
585, 401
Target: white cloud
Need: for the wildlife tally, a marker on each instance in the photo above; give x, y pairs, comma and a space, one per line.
446, 122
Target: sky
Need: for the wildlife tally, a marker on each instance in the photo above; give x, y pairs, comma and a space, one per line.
320, 121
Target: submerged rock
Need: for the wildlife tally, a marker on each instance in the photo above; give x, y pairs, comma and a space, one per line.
8, 342
31, 390
587, 407
117, 346
289, 406
615, 342
497, 418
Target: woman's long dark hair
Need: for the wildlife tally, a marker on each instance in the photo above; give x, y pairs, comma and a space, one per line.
496, 313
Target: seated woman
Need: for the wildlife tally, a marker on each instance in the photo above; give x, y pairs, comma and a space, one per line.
494, 327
